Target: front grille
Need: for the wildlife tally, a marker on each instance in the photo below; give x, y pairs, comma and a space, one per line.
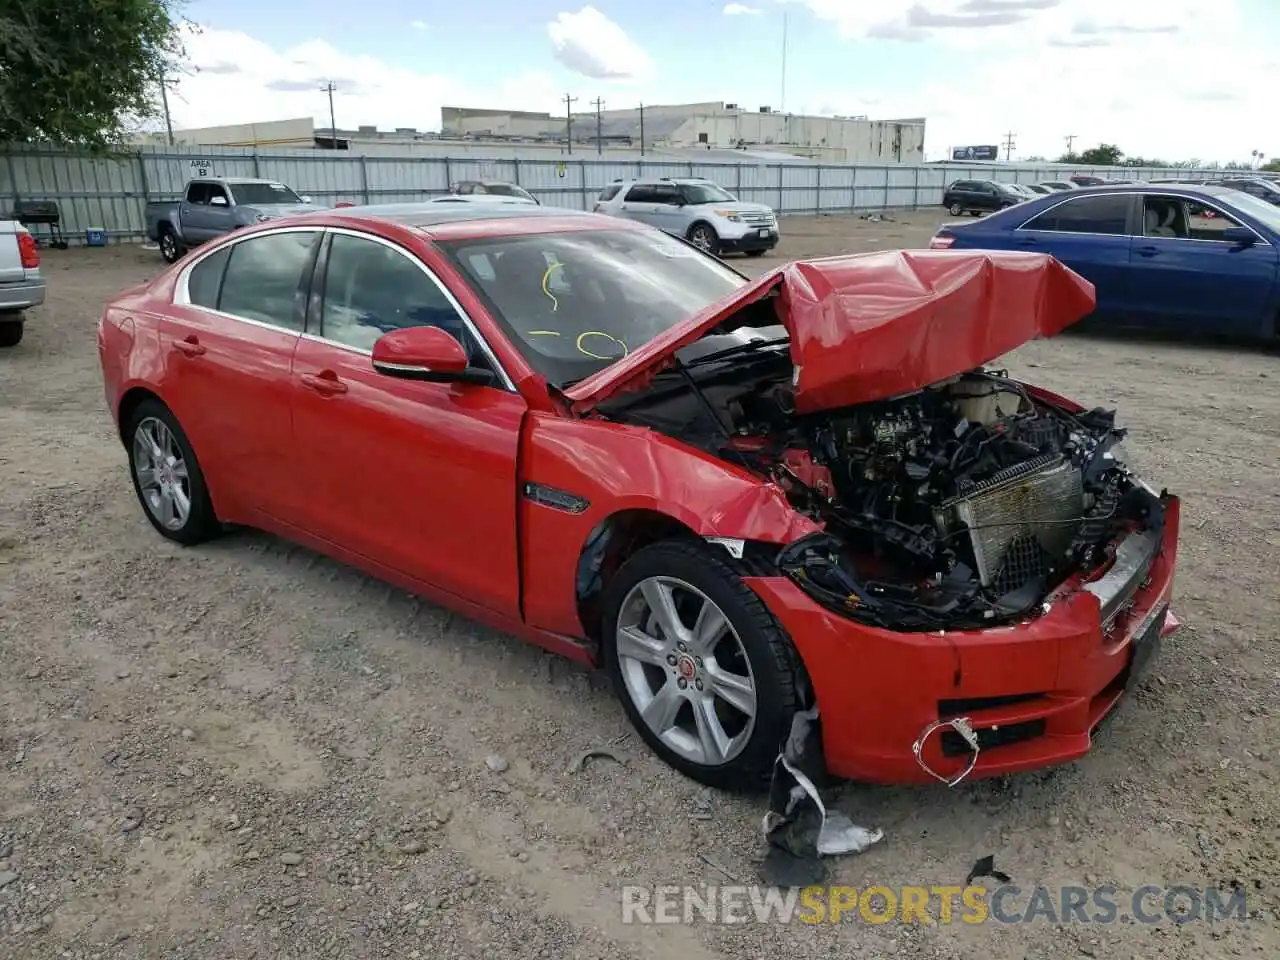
759, 219
1019, 521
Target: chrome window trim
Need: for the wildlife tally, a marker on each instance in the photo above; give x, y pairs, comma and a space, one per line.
1259, 239
182, 293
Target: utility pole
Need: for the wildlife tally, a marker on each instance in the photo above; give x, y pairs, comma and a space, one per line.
598, 103
333, 126
1071, 139
568, 121
1009, 145
642, 129
164, 98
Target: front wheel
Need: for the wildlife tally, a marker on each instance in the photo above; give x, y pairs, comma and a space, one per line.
170, 248
704, 238
167, 477
705, 673
10, 333
955, 209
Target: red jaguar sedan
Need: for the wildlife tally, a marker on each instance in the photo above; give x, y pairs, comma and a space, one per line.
745, 498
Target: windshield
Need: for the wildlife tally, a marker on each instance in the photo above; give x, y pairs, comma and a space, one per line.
705, 193
508, 190
573, 303
255, 194
1265, 213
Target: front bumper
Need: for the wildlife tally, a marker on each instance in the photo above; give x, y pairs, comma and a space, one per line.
1034, 693
21, 294
749, 241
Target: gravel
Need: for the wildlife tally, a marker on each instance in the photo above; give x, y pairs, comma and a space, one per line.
330, 719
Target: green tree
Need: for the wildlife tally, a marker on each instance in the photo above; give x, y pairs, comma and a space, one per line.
1272, 165
78, 72
1103, 155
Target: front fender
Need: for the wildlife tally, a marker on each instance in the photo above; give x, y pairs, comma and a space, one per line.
575, 474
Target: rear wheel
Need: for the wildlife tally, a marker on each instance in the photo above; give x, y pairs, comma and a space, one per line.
10, 333
705, 673
170, 248
167, 477
705, 238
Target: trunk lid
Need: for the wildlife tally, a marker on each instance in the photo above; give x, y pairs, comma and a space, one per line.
871, 326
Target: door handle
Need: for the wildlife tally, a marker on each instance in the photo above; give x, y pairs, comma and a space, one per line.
189, 346
1148, 251
325, 383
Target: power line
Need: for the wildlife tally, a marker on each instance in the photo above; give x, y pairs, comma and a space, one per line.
568, 121
598, 103
1009, 144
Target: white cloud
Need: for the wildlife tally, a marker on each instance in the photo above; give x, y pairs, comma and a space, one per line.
240, 79
1045, 69
418, 24
739, 10
589, 43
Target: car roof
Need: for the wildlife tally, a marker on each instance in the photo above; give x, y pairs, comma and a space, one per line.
445, 221
238, 180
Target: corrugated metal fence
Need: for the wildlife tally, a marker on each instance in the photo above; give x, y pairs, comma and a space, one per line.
112, 193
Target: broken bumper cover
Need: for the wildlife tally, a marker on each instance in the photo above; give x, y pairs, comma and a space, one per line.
1034, 693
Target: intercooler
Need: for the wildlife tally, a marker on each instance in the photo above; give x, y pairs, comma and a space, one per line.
1019, 521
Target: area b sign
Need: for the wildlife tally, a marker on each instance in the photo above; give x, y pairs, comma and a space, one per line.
201, 168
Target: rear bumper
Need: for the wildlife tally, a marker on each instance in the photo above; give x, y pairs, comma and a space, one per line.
1035, 693
21, 294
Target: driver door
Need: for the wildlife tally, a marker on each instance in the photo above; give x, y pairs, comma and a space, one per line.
417, 477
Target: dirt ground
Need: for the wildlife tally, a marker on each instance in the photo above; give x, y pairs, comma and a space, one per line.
244, 750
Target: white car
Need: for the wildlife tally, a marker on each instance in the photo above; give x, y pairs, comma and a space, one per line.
702, 212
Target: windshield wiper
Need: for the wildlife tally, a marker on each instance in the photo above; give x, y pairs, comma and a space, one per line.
736, 350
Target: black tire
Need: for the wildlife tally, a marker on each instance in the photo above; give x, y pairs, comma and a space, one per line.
756, 253
11, 332
774, 664
707, 234
201, 523
170, 247
956, 209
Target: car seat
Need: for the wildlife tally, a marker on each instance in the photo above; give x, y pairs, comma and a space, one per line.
1158, 223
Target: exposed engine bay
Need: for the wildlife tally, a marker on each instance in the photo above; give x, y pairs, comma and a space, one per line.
958, 506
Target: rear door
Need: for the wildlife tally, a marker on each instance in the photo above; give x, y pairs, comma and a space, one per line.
669, 212
641, 203
1186, 277
229, 341
1091, 235
418, 477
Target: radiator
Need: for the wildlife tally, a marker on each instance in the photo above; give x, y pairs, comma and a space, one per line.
1019, 521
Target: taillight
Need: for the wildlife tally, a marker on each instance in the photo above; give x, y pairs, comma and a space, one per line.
941, 241
27, 250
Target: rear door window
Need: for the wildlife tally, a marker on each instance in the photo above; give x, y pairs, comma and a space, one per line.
263, 280
1094, 214
642, 193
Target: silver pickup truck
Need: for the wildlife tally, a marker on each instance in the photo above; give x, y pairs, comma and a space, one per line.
21, 285
212, 206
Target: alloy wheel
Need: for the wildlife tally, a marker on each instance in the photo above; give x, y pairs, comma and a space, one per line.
164, 481
685, 670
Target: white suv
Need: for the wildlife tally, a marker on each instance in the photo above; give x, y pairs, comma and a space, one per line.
705, 214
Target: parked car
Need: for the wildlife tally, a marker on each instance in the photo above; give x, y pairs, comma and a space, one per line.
735, 536
1022, 190
21, 285
493, 188
1087, 181
1038, 189
212, 206
482, 198
979, 196
1197, 258
702, 212
1058, 185
1254, 186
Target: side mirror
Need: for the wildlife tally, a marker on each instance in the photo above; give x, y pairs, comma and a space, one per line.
425, 353
218, 201
1240, 236
305, 199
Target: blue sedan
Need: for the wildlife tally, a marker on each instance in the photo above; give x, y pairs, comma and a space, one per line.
1200, 259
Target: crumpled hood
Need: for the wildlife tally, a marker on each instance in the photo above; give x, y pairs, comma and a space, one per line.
875, 325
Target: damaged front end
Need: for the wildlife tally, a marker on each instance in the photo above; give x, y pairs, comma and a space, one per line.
962, 506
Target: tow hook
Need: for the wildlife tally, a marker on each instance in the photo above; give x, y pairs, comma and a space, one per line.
960, 725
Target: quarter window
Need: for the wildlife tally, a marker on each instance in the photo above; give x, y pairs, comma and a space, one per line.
263, 278
643, 193
371, 289
1096, 214
205, 280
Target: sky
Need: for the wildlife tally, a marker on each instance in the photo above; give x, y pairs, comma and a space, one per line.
1171, 79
